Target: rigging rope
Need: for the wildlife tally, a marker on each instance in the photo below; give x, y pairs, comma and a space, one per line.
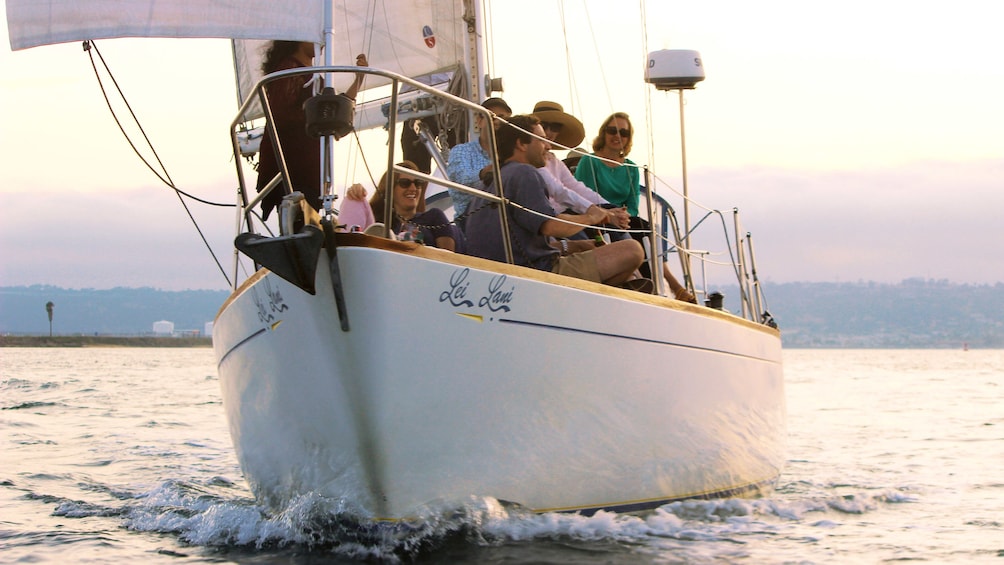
572, 91
599, 59
88, 45
648, 91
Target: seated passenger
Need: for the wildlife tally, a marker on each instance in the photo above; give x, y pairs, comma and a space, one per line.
609, 172
470, 162
566, 192
521, 154
411, 221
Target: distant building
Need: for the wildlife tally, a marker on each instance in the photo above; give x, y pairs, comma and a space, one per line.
207, 331
163, 327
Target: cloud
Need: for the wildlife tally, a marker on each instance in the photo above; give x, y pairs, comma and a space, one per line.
929, 219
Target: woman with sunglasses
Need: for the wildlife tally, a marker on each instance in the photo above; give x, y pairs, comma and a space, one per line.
609, 172
411, 221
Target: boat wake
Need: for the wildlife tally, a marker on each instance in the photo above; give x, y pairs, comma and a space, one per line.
212, 518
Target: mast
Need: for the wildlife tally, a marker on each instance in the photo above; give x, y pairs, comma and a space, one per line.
481, 85
328, 141
475, 33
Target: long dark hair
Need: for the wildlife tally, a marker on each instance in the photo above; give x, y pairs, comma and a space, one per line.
277, 51
377, 200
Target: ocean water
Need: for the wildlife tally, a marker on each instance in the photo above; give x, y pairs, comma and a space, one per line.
121, 454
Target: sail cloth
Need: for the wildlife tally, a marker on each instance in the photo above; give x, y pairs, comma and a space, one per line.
414, 39
32, 23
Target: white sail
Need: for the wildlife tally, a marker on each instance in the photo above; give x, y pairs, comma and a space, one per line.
44, 22
414, 39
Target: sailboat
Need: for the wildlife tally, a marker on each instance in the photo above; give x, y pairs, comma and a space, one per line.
392, 377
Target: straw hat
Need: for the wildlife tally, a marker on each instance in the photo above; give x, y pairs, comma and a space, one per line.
572, 132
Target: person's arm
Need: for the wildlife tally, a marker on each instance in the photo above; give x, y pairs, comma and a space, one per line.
564, 198
555, 228
439, 228
358, 82
635, 184
560, 172
446, 243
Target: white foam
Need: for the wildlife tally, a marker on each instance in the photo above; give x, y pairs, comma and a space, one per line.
202, 518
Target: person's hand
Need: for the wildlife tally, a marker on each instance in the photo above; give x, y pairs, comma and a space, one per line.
361, 61
618, 217
486, 175
356, 192
596, 216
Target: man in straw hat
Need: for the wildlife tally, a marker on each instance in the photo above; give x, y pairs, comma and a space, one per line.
564, 191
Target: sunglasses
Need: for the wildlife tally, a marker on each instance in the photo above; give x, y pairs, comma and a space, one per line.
612, 130
552, 126
405, 183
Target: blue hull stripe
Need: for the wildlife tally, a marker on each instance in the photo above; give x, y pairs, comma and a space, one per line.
631, 338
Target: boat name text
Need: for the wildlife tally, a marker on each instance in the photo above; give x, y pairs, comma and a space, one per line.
275, 303
497, 298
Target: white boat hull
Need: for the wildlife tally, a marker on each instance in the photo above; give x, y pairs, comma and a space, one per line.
456, 381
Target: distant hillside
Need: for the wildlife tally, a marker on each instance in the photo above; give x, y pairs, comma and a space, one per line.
116, 311
101, 341
914, 313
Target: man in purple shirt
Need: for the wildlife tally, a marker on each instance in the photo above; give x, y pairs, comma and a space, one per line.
535, 231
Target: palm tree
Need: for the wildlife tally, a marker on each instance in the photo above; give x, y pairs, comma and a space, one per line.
48, 308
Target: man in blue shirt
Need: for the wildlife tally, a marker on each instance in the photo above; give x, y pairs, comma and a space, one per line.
468, 161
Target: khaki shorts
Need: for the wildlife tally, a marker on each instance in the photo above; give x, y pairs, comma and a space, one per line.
581, 265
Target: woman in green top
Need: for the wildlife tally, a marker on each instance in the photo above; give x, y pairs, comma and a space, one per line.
616, 178
609, 172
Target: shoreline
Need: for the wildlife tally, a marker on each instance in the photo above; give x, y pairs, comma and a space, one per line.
102, 341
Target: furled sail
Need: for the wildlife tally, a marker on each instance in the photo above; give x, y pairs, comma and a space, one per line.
44, 22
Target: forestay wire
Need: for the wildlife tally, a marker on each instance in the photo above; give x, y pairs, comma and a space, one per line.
365, 43
91, 47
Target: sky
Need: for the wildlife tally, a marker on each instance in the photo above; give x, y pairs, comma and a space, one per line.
861, 141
